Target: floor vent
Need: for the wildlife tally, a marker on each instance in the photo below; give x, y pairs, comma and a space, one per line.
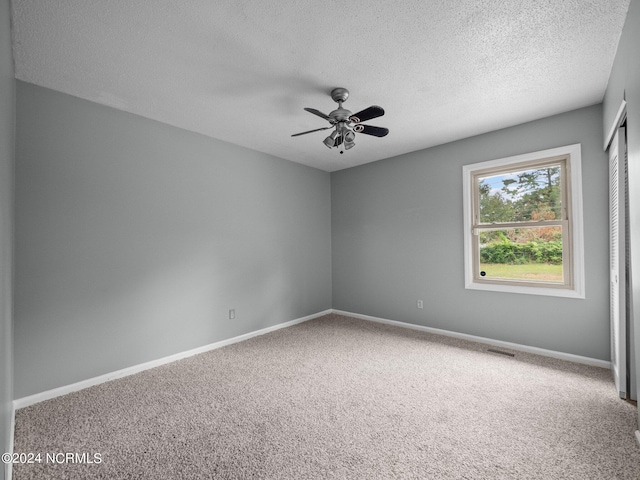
492, 350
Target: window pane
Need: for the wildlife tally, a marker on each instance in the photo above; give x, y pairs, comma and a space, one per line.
524, 254
521, 195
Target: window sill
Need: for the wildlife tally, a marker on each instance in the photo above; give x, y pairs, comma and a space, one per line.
547, 291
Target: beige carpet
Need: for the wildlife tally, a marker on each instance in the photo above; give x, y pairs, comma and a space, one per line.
338, 397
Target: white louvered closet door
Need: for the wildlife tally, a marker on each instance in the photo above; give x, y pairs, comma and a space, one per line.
617, 157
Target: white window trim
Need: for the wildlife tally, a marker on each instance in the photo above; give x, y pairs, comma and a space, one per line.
575, 179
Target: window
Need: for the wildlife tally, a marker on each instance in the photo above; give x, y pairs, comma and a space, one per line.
523, 224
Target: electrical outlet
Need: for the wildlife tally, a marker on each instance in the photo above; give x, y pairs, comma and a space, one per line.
232, 314
420, 304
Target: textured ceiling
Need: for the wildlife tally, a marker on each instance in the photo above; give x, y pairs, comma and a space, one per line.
242, 70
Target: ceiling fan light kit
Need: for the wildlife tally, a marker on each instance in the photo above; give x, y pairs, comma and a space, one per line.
345, 123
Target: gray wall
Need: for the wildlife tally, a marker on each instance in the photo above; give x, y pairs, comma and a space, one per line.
7, 125
135, 238
624, 82
397, 232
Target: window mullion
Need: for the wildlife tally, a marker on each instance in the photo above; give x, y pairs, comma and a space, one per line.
487, 227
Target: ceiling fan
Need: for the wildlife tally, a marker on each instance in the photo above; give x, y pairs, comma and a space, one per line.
345, 123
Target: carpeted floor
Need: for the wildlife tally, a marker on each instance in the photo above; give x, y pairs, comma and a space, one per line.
338, 397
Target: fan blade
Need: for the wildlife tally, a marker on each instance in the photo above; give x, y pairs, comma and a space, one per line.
375, 131
367, 114
318, 113
311, 131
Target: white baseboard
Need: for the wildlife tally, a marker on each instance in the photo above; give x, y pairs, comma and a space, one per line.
56, 392
637, 435
489, 341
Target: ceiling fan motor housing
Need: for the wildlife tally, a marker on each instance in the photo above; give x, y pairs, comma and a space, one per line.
339, 115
